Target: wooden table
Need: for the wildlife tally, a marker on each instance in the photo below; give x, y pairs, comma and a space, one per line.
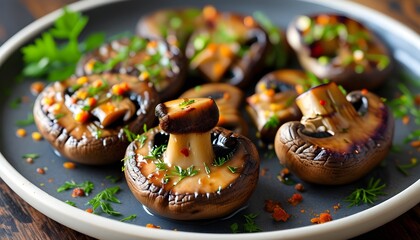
18, 220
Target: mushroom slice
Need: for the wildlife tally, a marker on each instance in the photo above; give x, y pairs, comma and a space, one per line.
339, 139
83, 118
273, 102
173, 25
340, 49
152, 60
227, 47
193, 173
228, 99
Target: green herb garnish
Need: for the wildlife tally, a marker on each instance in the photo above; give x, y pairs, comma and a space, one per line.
186, 103
249, 226
207, 169
73, 204
156, 152
183, 173
366, 195
103, 200
26, 122
129, 218
219, 161
55, 54
15, 103
31, 155
136, 137
272, 122
113, 179
404, 167
232, 169
87, 186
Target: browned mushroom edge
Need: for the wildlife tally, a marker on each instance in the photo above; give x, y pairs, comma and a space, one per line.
340, 49
273, 102
229, 100
220, 168
173, 25
228, 48
83, 118
149, 59
339, 139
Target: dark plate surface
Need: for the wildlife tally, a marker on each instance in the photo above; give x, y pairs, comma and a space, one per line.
119, 17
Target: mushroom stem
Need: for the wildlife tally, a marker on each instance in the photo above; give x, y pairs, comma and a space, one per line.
191, 149
326, 109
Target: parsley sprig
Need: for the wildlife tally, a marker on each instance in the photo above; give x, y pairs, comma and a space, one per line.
366, 195
248, 226
104, 200
47, 57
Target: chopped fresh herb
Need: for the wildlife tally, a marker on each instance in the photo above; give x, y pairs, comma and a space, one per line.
160, 165
405, 105
59, 115
186, 103
31, 155
103, 200
15, 103
249, 226
129, 218
156, 152
55, 54
404, 167
272, 122
232, 169
87, 186
366, 195
28, 121
219, 161
98, 134
73, 204
136, 137
113, 179
183, 173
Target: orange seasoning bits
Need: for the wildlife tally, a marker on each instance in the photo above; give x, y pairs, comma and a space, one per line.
249, 22
323, 218
89, 210
279, 214
21, 132
295, 199
209, 13
37, 87
69, 165
151, 225
36, 136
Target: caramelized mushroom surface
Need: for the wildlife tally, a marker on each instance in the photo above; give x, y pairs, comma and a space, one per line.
83, 118
340, 49
191, 171
150, 60
229, 100
338, 139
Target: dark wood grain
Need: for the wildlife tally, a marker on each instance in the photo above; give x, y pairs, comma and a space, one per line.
18, 220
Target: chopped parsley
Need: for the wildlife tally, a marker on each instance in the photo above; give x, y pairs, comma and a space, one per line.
219, 161
129, 218
272, 122
404, 167
87, 186
104, 199
26, 122
186, 103
31, 155
73, 204
249, 226
156, 152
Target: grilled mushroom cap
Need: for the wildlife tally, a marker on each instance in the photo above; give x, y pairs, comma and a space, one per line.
340, 49
228, 98
201, 173
83, 118
339, 139
152, 60
273, 102
227, 48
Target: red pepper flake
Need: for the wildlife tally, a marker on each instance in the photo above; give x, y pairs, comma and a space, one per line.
323, 218
279, 214
295, 199
89, 210
185, 152
78, 192
364, 91
270, 205
322, 102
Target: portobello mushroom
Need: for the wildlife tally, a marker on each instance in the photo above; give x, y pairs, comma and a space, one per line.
153, 60
173, 25
340, 49
228, 99
273, 102
227, 47
188, 169
84, 118
339, 138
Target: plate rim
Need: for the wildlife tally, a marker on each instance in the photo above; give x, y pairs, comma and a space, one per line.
83, 222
